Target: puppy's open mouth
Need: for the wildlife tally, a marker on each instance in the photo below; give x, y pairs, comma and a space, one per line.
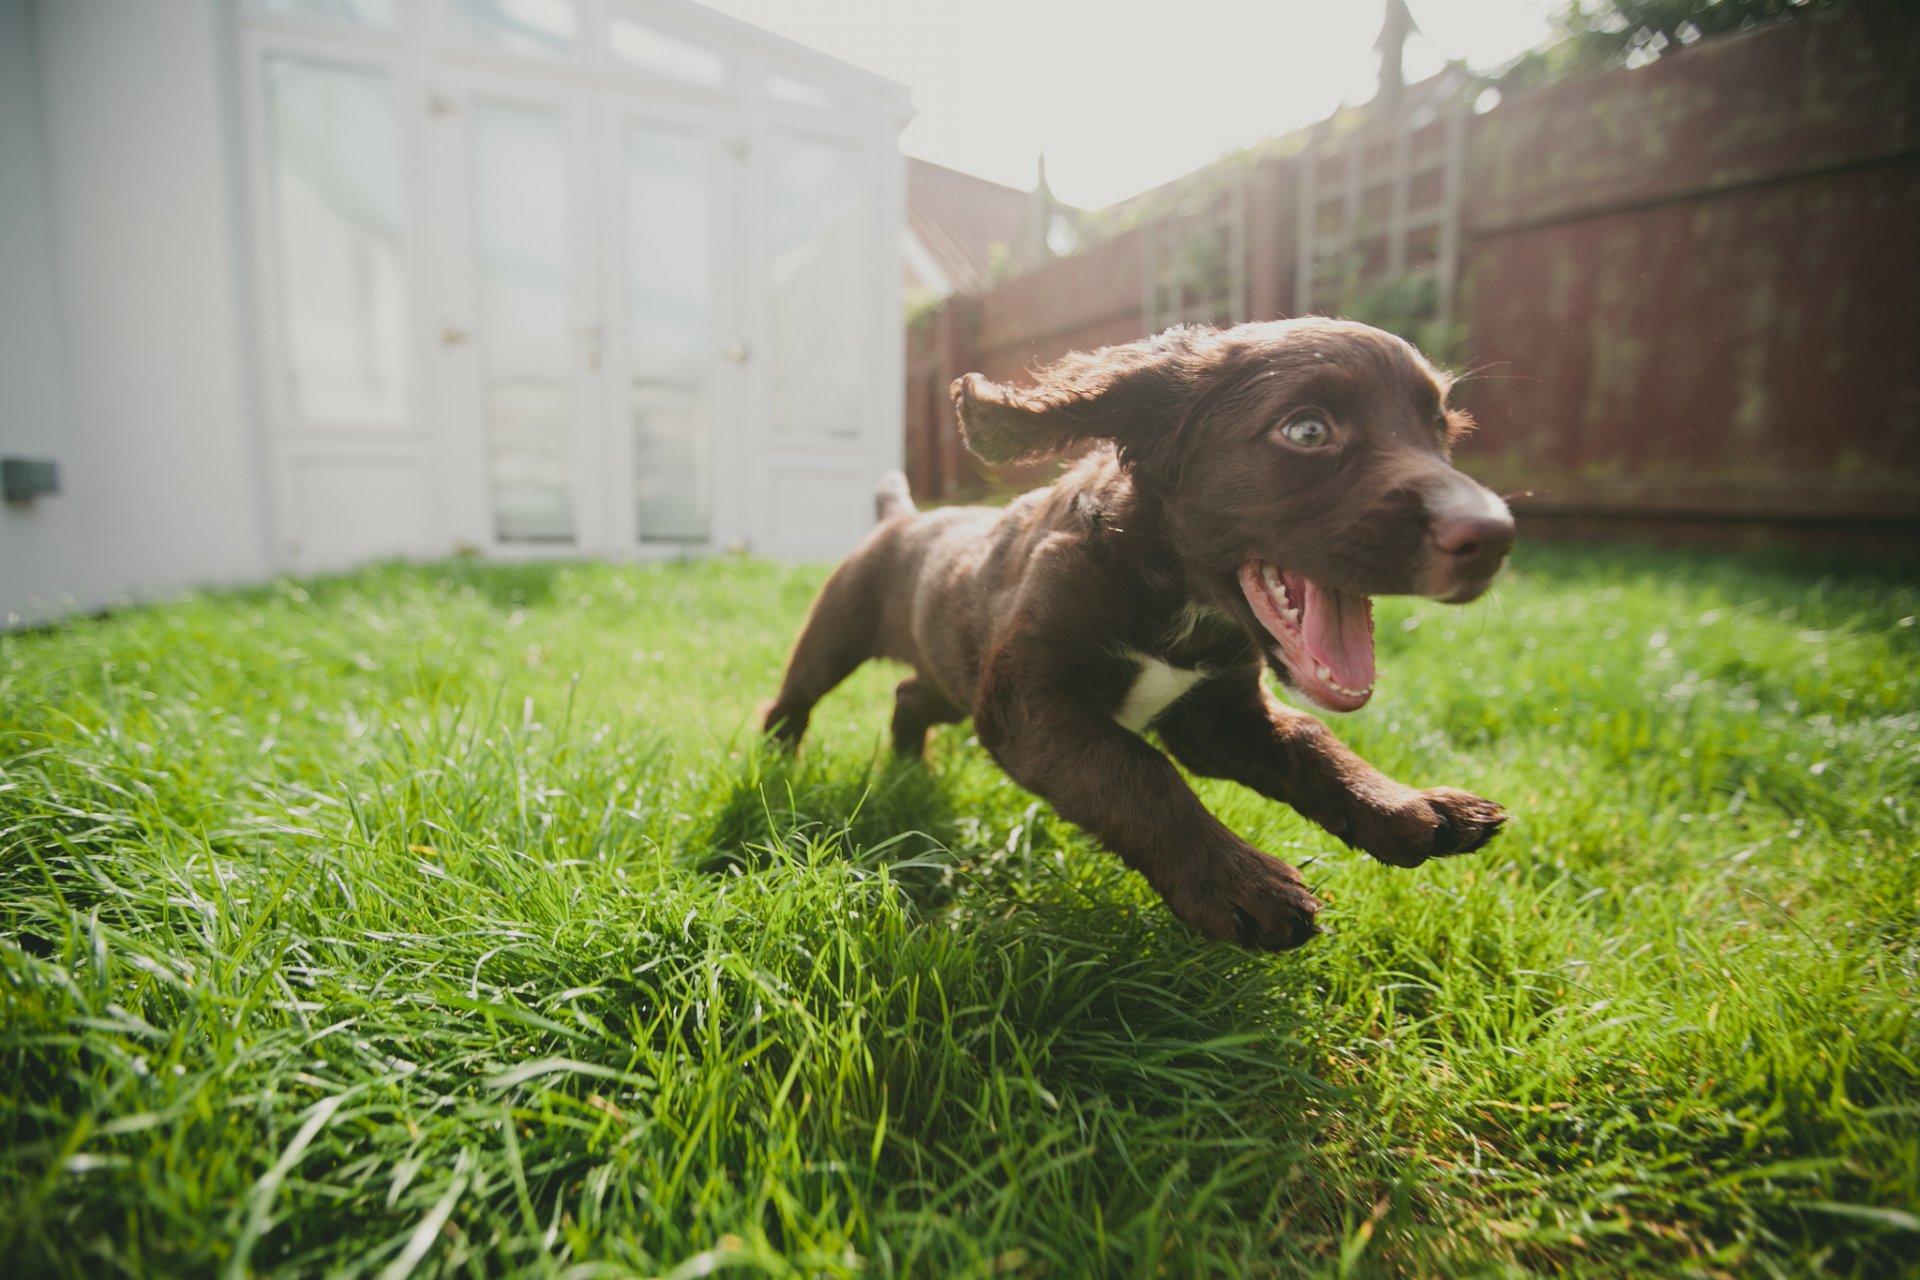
1325, 636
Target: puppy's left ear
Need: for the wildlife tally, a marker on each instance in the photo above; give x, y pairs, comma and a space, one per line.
1136, 395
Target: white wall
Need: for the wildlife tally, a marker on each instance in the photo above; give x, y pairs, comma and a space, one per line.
45, 549
117, 208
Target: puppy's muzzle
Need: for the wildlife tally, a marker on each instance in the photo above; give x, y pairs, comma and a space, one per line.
1469, 533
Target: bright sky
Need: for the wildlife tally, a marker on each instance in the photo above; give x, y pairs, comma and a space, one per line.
1124, 95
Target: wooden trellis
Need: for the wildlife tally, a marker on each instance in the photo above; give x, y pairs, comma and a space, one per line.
1195, 264
1382, 203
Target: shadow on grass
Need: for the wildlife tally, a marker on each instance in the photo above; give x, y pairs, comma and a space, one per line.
983, 1076
888, 813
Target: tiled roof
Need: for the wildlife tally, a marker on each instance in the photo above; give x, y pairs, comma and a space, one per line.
959, 218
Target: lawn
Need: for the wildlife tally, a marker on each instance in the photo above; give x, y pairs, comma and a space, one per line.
451, 920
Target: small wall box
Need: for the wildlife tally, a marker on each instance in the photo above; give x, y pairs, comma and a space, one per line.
24, 479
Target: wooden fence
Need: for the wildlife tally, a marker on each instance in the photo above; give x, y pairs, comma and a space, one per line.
1689, 294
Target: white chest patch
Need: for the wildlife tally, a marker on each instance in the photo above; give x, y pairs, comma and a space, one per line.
1156, 686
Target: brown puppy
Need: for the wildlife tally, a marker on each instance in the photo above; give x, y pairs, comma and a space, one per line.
1253, 488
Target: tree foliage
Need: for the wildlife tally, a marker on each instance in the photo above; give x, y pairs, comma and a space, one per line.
1610, 33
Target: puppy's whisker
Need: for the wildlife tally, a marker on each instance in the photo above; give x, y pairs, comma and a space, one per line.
1476, 371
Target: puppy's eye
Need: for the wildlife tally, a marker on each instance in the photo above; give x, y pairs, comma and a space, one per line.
1308, 433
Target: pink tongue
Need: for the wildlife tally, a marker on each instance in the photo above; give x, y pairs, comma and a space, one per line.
1338, 629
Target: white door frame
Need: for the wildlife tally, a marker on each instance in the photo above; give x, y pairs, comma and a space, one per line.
292, 443
459, 325
727, 355
766, 491
595, 119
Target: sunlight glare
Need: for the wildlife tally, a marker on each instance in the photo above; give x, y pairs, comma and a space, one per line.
1124, 96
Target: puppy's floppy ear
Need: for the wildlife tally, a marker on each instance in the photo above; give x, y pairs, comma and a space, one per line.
1136, 395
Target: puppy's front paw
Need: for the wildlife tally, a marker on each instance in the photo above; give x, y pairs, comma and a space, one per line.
1256, 901
1429, 824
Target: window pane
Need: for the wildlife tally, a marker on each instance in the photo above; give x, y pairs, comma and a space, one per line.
670, 328
820, 287
642, 45
522, 26
365, 13
520, 211
339, 214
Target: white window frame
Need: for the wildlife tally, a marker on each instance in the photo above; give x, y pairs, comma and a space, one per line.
423, 54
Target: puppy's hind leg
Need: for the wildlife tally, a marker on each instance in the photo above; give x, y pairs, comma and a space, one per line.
917, 707
841, 632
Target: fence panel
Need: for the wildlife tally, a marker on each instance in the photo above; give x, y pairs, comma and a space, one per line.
1695, 291
1689, 293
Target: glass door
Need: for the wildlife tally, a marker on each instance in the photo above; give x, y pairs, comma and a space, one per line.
524, 334
671, 366
589, 367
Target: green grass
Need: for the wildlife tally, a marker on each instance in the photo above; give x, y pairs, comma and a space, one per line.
450, 920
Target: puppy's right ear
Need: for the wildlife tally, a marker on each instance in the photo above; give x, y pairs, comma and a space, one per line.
1135, 395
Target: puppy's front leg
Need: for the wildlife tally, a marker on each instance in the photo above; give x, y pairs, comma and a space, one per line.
1103, 778
1234, 728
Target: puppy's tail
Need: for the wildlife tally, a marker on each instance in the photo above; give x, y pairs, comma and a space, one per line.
891, 498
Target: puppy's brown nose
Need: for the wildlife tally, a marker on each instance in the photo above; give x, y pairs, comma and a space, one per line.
1474, 545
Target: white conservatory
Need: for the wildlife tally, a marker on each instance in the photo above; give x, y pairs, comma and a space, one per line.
308, 282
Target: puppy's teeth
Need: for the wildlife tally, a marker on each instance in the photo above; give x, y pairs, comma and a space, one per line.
1277, 588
